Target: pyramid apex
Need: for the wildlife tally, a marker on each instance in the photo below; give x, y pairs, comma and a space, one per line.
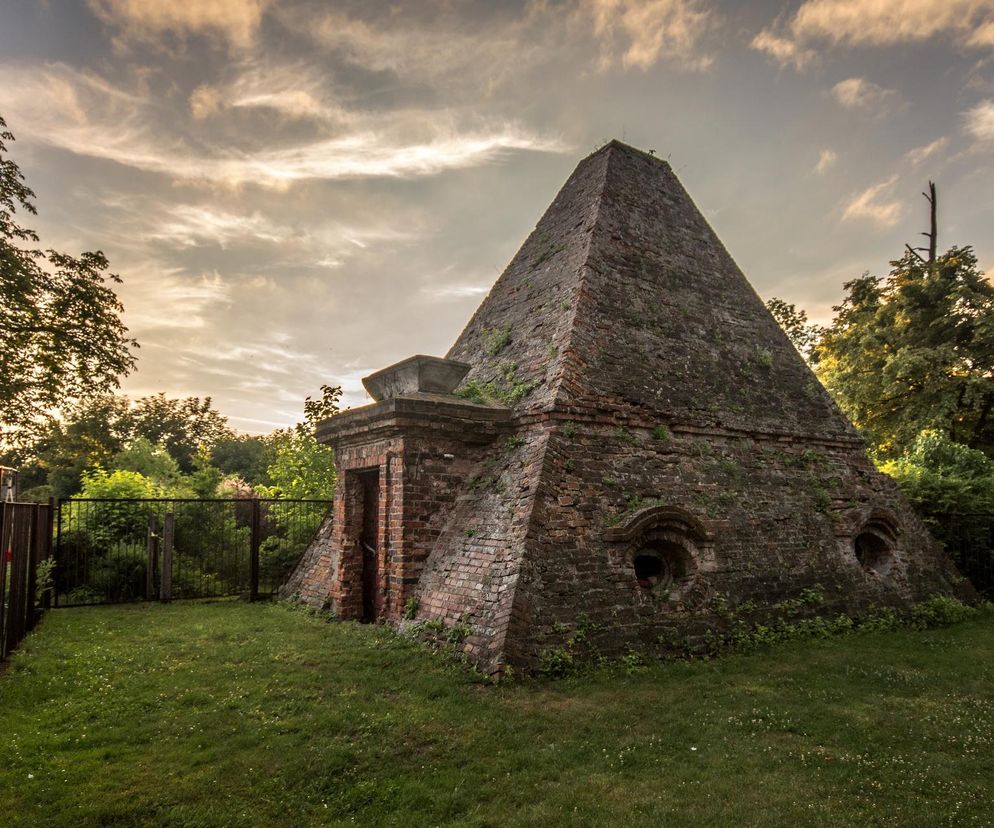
615, 146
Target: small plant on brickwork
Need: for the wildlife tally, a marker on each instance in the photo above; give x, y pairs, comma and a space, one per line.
726, 498
547, 253
570, 465
508, 392
470, 533
411, 608
609, 482
552, 351
515, 440
566, 304
568, 429
577, 650
458, 632
661, 433
822, 498
720, 605
496, 339
810, 597
633, 661
728, 466
626, 436
763, 357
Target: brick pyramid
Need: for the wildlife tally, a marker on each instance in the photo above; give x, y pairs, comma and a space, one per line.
668, 460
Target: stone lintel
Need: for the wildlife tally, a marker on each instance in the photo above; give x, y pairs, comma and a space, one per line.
416, 414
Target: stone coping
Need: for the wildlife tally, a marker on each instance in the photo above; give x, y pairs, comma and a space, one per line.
420, 413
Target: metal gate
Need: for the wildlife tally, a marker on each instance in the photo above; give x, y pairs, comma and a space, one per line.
25, 542
114, 551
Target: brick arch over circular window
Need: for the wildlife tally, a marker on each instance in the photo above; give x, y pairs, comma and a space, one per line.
874, 545
662, 548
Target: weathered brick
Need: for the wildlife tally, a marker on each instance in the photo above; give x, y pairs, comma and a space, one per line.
667, 419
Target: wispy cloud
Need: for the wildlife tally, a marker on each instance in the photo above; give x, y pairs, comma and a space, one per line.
851, 23
923, 153
783, 50
73, 111
826, 160
455, 291
875, 204
979, 122
170, 298
639, 33
235, 20
860, 93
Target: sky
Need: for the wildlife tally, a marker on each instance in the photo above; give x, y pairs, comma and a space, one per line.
297, 193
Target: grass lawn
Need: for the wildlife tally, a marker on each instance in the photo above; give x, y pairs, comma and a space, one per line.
233, 714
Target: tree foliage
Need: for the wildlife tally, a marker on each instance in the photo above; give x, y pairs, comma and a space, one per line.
60, 320
794, 322
915, 351
940, 476
95, 431
302, 467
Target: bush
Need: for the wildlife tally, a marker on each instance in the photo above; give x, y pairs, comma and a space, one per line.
940, 611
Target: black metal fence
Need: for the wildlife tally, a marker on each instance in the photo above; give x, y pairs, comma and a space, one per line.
25, 546
969, 539
113, 551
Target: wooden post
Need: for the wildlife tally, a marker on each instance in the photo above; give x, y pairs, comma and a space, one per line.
153, 548
16, 610
6, 516
35, 552
166, 574
255, 543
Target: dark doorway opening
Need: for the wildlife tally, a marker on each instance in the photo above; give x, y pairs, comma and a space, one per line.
369, 543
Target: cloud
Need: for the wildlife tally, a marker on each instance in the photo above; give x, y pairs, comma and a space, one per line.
204, 101
873, 204
640, 33
441, 44
826, 160
919, 154
170, 297
235, 20
77, 112
853, 23
455, 291
859, 93
783, 50
980, 122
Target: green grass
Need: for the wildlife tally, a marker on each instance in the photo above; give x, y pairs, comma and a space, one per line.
233, 714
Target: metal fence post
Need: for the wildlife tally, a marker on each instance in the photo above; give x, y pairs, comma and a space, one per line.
166, 574
256, 541
152, 549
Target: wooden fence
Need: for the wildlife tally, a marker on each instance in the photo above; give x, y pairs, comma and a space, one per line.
25, 543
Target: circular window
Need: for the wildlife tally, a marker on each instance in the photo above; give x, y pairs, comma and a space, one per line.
874, 550
660, 564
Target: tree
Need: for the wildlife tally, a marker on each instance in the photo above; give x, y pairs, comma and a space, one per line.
93, 431
246, 456
183, 426
794, 322
303, 468
915, 351
152, 462
60, 326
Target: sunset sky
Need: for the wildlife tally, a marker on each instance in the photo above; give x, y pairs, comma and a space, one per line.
304, 192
